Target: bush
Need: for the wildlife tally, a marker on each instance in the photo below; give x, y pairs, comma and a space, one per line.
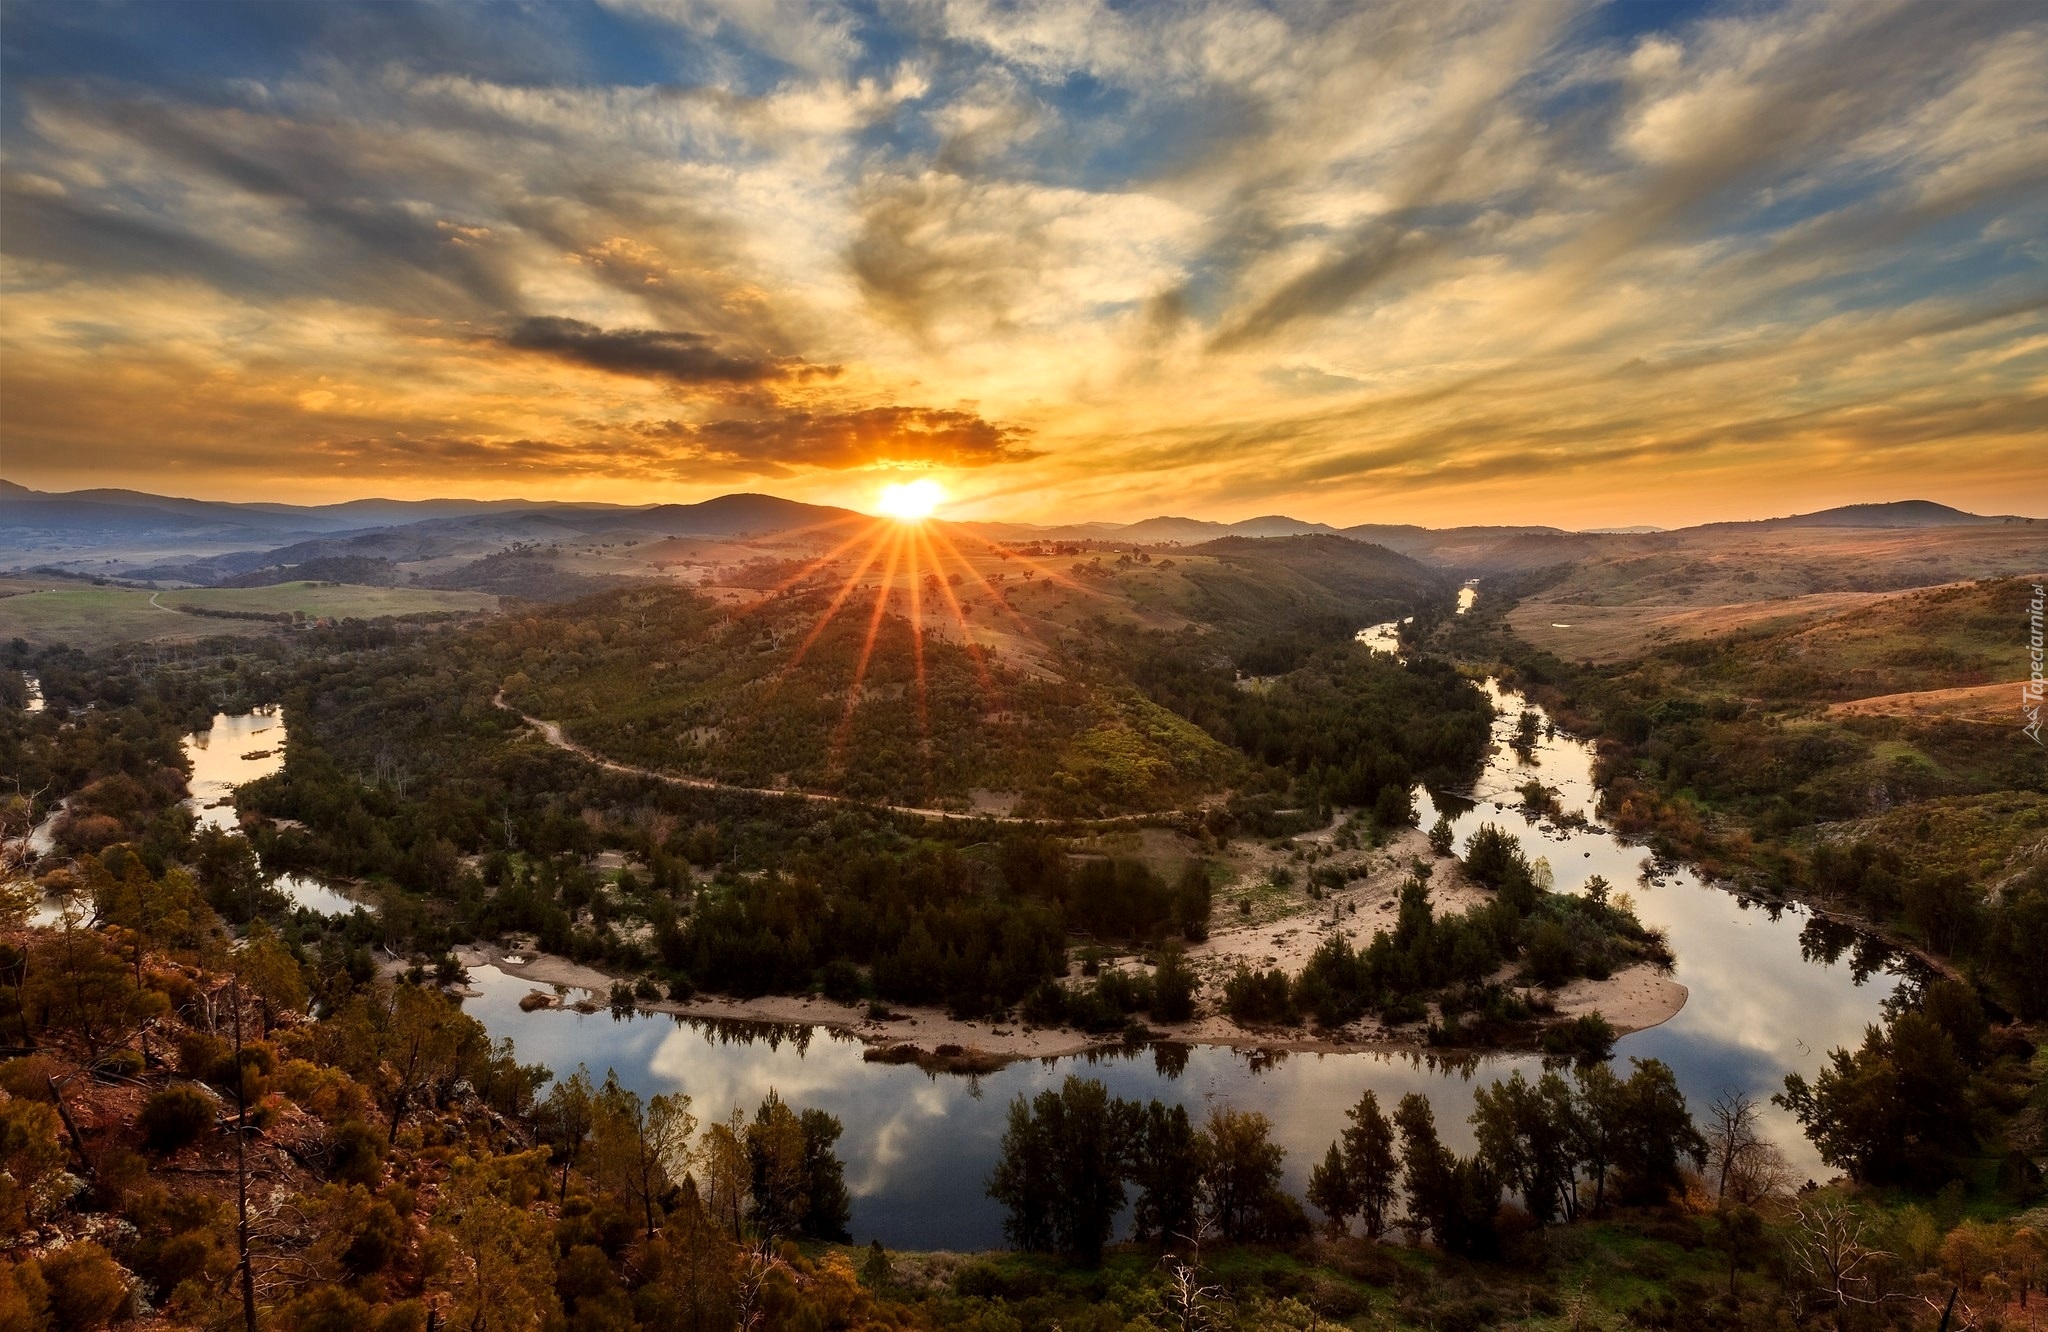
120, 1064
1550, 955
202, 1056
840, 980
174, 1117
28, 1077
1588, 1036
86, 1288
356, 1154
1173, 988
1252, 996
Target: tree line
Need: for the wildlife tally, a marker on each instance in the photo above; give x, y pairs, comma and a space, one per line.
1565, 1149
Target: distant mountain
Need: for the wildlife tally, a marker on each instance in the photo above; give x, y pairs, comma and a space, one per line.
137, 511
732, 515
1899, 513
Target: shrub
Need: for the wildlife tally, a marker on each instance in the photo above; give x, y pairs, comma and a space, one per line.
122, 1063
28, 1077
1550, 954
840, 981
1252, 996
356, 1154
1173, 988
202, 1056
1588, 1036
86, 1288
175, 1116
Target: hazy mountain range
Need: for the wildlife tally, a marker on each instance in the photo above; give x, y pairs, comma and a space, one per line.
132, 534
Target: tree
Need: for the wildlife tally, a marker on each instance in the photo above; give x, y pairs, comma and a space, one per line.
564, 1120
266, 967
1241, 1176
1428, 1169
692, 1268
1738, 1232
1370, 1161
1735, 1147
1830, 1249
1173, 985
1528, 1138
400, 1040
1598, 1126
639, 1149
1062, 1169
1166, 1167
1654, 1133
495, 1256
831, 1208
1330, 1191
781, 1184
1894, 1110
1360, 1172
728, 1172
31, 1160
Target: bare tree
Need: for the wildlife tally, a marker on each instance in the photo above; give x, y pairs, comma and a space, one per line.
1732, 1138
1833, 1257
1187, 1304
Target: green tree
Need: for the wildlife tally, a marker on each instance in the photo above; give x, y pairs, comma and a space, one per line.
1173, 986
1655, 1135
1330, 1191
1893, 1111
1428, 1169
563, 1120
1370, 1159
639, 1149
1241, 1176
831, 1207
1166, 1166
1061, 1175
1528, 1137
781, 1182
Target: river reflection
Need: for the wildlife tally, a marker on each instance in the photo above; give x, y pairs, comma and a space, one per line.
1769, 994
237, 748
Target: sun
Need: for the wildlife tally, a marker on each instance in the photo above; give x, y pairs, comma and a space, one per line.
911, 501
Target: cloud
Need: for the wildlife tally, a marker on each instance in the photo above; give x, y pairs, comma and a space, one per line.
867, 437
686, 358
1340, 257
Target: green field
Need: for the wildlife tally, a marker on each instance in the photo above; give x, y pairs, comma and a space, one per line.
52, 611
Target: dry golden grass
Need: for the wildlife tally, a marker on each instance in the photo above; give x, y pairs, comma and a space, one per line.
1683, 586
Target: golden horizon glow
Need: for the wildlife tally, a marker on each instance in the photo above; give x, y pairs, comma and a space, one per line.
1580, 265
911, 501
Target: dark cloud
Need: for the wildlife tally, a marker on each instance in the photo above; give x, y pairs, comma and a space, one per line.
859, 438
657, 353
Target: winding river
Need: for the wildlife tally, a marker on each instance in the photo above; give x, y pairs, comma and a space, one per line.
1768, 995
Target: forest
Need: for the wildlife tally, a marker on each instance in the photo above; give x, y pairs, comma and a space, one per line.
200, 1130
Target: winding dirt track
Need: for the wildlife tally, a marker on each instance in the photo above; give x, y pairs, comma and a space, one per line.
552, 733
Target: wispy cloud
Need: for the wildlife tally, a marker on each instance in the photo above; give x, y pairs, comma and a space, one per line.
1417, 258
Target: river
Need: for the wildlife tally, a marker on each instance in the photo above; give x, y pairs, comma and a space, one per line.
919, 1148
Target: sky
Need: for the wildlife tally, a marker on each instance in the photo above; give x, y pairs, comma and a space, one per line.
1434, 261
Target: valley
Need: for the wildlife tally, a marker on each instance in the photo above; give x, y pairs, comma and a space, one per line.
884, 824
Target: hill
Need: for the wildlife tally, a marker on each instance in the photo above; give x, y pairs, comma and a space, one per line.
1274, 581
1898, 513
735, 515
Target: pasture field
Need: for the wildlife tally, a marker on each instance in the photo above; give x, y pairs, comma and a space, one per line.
60, 611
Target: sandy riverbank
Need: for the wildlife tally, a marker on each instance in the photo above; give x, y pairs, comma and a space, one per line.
1283, 929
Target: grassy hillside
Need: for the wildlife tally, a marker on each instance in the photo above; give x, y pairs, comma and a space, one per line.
661, 679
